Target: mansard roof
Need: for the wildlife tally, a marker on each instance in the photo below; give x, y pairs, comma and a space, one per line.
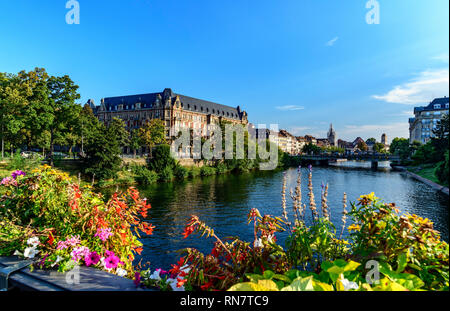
147, 101
437, 101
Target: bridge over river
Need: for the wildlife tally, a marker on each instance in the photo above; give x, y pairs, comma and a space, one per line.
324, 159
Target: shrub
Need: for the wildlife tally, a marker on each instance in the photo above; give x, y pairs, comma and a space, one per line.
207, 171
180, 172
221, 168
442, 170
166, 175
144, 176
46, 215
18, 162
161, 159
193, 172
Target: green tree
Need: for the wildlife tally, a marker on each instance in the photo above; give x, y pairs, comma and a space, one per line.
135, 141
152, 134
379, 147
162, 159
400, 147
371, 141
37, 111
12, 103
311, 149
64, 110
118, 131
103, 153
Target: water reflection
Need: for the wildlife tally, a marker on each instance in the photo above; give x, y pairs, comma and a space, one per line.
223, 202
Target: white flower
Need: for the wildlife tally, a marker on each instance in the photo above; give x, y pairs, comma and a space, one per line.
155, 275
34, 241
270, 238
258, 243
348, 285
121, 272
17, 253
30, 252
58, 259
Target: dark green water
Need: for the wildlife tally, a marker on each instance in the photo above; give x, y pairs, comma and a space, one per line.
223, 202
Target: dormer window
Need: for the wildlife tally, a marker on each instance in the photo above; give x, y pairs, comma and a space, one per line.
138, 105
446, 106
437, 106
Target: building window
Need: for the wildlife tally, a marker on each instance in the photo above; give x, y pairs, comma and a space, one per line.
437, 106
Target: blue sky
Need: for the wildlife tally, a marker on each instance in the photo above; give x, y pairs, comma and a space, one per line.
302, 64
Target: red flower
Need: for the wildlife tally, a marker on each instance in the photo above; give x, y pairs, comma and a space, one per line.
180, 282
215, 252
207, 285
176, 268
51, 239
188, 231
139, 250
147, 228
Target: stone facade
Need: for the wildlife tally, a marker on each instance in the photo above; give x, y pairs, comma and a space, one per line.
174, 109
426, 118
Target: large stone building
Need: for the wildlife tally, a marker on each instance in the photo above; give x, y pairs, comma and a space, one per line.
175, 110
426, 118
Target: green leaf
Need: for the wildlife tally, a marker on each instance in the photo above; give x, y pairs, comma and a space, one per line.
254, 277
268, 275
300, 284
320, 286
402, 262
282, 278
409, 281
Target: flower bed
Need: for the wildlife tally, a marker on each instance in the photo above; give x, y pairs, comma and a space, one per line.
45, 215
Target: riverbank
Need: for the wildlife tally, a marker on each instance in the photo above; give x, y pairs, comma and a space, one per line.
425, 175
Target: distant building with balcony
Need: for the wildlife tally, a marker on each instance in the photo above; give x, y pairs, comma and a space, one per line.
426, 118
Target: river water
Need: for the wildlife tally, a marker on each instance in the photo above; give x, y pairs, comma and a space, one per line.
224, 201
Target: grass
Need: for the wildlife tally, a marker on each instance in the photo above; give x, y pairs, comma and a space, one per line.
426, 171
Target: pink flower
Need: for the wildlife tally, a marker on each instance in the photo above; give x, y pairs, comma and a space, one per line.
162, 272
111, 262
80, 253
92, 258
8, 181
103, 234
73, 241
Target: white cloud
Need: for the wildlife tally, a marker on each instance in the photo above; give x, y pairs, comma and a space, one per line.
332, 41
298, 130
420, 90
398, 129
404, 113
442, 57
290, 108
